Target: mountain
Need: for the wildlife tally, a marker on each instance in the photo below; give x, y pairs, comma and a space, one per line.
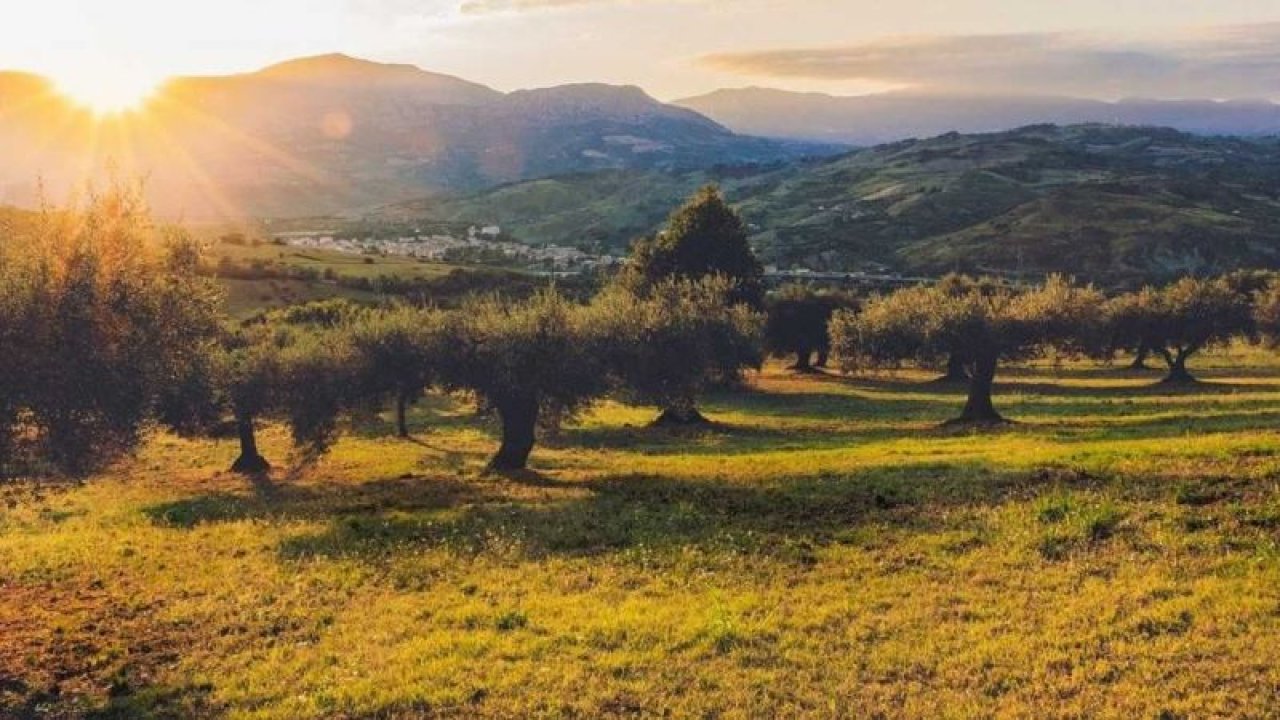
1109, 203
886, 117
333, 133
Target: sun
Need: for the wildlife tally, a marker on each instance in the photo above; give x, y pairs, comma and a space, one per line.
108, 92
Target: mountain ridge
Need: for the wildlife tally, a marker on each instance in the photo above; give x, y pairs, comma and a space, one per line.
332, 133
885, 117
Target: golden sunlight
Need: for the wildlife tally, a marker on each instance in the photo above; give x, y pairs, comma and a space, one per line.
108, 92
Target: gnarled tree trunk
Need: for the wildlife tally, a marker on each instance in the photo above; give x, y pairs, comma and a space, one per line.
1178, 374
978, 408
519, 417
250, 461
824, 354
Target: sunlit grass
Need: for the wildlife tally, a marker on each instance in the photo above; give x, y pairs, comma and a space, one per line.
826, 551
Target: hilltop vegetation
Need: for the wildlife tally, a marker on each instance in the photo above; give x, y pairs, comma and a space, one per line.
1109, 203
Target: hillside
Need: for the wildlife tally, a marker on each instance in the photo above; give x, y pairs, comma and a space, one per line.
334, 133
888, 117
1112, 554
1105, 202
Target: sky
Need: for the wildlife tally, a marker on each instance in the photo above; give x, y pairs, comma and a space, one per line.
675, 48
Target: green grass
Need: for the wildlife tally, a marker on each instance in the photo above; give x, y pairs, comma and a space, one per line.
245, 298
827, 551
346, 264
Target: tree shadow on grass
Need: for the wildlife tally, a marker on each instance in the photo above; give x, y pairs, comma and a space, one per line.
651, 515
318, 501
1166, 426
1029, 415
729, 439
1154, 389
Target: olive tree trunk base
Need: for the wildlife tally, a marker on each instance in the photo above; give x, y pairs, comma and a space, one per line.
402, 416
979, 411
519, 432
250, 465
1179, 376
250, 461
1139, 363
678, 417
1177, 362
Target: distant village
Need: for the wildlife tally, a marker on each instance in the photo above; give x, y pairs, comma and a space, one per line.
487, 245
480, 245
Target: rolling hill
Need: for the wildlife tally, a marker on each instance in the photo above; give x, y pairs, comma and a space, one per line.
333, 133
1099, 201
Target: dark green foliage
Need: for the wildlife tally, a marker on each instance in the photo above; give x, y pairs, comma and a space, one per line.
1266, 312
797, 322
703, 237
319, 381
308, 378
321, 313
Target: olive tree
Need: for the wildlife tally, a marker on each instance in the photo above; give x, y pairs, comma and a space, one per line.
986, 324
306, 378
249, 376
670, 346
1179, 320
399, 351
1266, 312
520, 359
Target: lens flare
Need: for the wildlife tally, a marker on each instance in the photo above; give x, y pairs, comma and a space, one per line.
107, 93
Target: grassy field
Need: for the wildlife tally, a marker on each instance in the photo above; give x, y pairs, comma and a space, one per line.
245, 297
347, 264
827, 551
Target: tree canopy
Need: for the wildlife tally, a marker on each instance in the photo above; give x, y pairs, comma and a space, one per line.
672, 345
522, 358
703, 237
399, 351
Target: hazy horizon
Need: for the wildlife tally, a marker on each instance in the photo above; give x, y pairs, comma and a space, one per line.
677, 48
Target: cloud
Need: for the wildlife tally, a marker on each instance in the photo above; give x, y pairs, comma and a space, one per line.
1226, 62
489, 7
486, 7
